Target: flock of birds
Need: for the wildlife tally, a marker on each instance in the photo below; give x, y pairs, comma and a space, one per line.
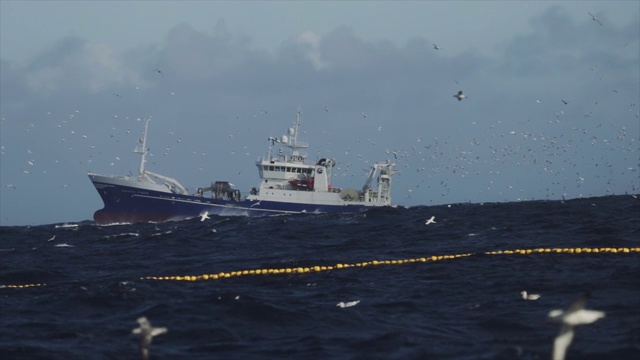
559, 158
531, 150
576, 314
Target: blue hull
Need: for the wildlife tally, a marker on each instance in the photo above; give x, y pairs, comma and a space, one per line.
123, 204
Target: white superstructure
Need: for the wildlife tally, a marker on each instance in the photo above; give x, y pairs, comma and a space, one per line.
287, 177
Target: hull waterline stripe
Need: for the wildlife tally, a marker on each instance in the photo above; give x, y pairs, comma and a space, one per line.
216, 205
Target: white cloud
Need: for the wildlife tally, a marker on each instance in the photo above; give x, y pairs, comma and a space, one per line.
312, 40
81, 65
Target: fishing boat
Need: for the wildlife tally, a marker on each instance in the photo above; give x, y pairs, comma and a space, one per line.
289, 184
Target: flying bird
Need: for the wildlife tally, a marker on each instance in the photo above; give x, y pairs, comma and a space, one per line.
574, 315
204, 216
430, 221
159, 72
436, 47
564, 102
145, 333
460, 96
594, 18
528, 296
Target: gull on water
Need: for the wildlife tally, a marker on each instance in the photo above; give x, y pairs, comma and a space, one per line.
460, 96
528, 296
430, 220
204, 216
145, 333
574, 315
347, 304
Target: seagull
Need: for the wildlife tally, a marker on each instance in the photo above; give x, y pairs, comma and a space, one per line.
527, 296
347, 304
431, 220
574, 315
159, 72
204, 216
435, 47
460, 96
52, 238
565, 102
594, 18
145, 334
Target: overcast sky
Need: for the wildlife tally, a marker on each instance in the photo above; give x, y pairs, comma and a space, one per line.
78, 78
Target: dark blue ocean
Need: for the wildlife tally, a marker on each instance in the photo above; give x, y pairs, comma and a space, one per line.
75, 292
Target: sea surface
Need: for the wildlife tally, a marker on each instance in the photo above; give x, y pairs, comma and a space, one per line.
75, 291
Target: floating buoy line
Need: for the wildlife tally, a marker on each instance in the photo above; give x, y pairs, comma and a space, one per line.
341, 266
21, 286
374, 263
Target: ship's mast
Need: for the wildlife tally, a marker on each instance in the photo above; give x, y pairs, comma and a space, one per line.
143, 151
294, 144
290, 140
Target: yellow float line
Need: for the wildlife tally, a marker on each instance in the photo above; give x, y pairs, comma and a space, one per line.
21, 286
340, 266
